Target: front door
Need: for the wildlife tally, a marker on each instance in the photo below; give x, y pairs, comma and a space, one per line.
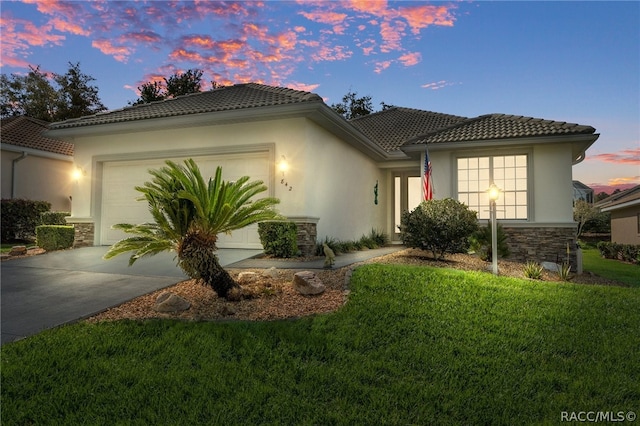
407, 194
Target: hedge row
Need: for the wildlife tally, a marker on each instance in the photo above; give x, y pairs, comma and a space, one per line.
54, 237
625, 252
20, 218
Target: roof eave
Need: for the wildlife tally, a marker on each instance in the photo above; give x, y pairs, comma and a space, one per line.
36, 152
331, 120
621, 205
187, 120
580, 143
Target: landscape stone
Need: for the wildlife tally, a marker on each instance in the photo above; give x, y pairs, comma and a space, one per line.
307, 283
247, 277
550, 266
270, 272
170, 302
18, 251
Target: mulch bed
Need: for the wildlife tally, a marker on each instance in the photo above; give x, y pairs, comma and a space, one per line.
274, 298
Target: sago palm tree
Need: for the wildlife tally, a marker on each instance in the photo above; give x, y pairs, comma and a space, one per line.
189, 213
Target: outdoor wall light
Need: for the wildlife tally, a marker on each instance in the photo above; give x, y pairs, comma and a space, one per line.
78, 173
494, 194
283, 166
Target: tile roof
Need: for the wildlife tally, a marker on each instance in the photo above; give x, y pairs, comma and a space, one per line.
622, 199
239, 96
501, 126
26, 132
392, 127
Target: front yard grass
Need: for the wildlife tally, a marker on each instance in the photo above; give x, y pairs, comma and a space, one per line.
414, 345
613, 269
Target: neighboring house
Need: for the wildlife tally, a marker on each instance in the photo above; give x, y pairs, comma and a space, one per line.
582, 192
343, 177
625, 215
35, 167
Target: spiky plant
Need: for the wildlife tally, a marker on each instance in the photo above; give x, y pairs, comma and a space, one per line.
189, 213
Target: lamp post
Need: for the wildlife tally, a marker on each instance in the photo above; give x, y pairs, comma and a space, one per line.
494, 194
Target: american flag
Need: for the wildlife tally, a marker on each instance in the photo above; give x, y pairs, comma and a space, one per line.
427, 183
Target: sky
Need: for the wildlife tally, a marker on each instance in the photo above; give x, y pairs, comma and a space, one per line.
571, 61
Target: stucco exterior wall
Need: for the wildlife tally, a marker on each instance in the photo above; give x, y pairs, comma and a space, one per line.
552, 188
326, 178
624, 225
339, 186
38, 178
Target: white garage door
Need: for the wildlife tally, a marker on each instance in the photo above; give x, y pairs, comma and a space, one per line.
119, 205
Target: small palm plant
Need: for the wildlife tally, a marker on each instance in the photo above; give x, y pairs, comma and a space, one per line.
188, 215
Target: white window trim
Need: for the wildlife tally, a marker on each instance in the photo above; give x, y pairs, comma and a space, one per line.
498, 153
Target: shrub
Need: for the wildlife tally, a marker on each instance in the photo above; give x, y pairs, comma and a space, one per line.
481, 242
54, 218
533, 270
625, 252
441, 226
20, 218
379, 238
279, 239
54, 237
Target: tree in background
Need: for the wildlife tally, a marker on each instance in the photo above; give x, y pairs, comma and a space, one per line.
177, 84
61, 97
353, 106
32, 95
76, 96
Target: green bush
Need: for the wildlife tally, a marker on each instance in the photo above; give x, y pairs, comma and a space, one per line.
481, 242
441, 226
54, 218
625, 252
20, 218
279, 239
54, 237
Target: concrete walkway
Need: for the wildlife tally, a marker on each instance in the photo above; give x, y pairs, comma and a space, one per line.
49, 290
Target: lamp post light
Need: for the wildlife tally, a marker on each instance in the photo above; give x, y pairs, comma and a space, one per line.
494, 194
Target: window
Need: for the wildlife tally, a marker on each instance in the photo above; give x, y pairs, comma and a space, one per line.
508, 172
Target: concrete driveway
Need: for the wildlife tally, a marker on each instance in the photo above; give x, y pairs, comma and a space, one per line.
45, 291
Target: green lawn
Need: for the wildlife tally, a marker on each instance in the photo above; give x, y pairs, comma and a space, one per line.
414, 345
609, 268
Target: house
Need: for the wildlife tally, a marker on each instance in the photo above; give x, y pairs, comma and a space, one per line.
582, 192
34, 166
624, 207
342, 178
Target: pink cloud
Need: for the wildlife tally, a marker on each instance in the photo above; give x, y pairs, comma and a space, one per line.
68, 27
437, 85
392, 34
410, 59
119, 53
422, 16
331, 18
147, 37
331, 53
381, 66
201, 41
626, 156
302, 86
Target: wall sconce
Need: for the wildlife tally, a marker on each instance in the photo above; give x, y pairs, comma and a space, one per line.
78, 173
283, 166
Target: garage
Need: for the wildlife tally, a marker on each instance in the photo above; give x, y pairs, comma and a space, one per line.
119, 202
